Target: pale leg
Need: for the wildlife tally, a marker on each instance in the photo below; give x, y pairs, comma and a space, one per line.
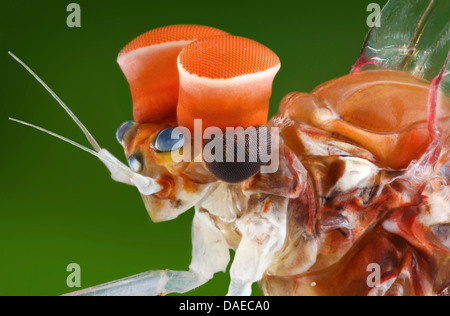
209, 255
158, 282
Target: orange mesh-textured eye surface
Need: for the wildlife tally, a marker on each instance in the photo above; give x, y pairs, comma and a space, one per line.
149, 63
226, 81
169, 34
226, 56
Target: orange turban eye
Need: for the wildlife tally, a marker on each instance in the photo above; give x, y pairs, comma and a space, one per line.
149, 63
226, 81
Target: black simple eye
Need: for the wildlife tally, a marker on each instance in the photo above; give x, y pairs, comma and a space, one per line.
168, 139
120, 132
135, 162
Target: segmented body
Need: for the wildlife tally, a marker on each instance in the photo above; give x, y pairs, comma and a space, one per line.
364, 212
346, 212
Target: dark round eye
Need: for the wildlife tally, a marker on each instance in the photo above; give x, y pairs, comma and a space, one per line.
168, 139
236, 156
120, 132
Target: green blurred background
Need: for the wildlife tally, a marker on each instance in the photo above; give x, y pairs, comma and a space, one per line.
58, 204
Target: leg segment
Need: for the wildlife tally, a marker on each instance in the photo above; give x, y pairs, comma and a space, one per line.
263, 234
209, 255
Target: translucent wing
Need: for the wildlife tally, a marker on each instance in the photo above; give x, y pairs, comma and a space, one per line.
412, 36
444, 82
441, 99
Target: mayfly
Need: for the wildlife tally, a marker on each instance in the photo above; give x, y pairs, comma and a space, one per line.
363, 161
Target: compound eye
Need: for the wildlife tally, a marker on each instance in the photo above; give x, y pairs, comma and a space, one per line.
168, 139
241, 156
123, 128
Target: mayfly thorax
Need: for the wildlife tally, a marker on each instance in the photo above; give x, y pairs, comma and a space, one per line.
362, 175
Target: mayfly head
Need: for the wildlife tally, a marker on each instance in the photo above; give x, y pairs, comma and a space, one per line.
179, 76
190, 84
